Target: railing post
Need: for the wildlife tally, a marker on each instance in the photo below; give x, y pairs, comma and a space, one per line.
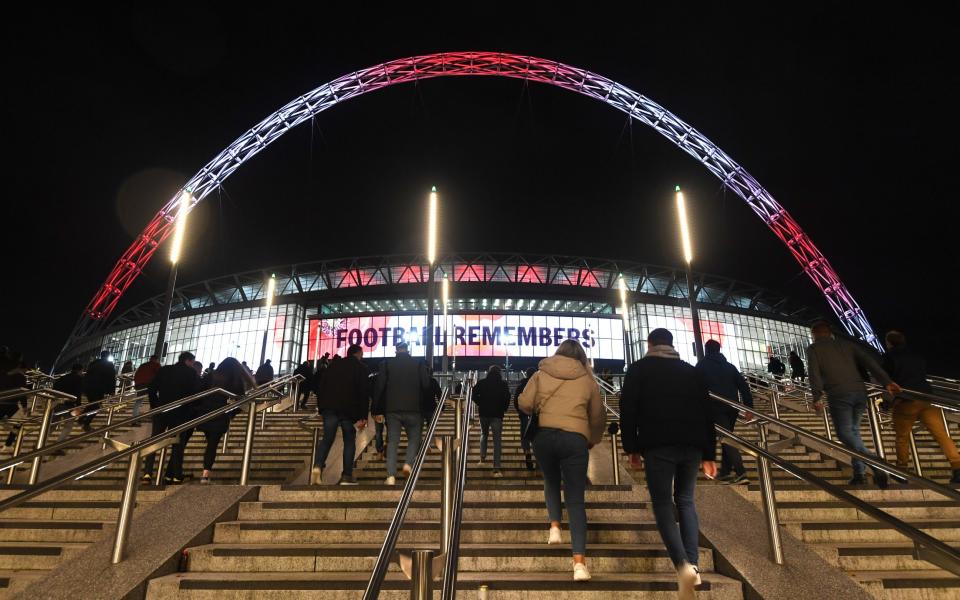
775, 399
826, 423
946, 423
769, 500
16, 452
458, 417
874, 417
158, 476
106, 435
248, 443
916, 455
421, 580
226, 435
446, 495
127, 504
614, 450
41, 440
313, 451
263, 419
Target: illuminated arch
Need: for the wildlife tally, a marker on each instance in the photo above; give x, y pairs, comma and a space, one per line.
639, 107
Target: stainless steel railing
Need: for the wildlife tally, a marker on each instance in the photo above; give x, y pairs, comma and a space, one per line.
137, 450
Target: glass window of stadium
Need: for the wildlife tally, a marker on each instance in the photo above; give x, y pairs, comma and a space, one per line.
747, 341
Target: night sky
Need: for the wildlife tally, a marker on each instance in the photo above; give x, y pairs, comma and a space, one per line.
847, 119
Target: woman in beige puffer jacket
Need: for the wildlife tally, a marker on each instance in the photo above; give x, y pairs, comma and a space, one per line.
567, 399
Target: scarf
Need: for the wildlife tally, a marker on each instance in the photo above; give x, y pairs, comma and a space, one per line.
663, 351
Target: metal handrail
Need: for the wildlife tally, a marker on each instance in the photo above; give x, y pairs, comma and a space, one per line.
451, 560
45, 392
871, 460
101, 463
393, 532
12, 392
946, 403
5, 464
926, 546
605, 390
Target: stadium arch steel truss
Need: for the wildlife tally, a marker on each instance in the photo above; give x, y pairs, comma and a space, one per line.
446, 64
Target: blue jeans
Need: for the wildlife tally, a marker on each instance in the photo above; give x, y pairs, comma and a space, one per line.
563, 456
410, 421
486, 424
671, 479
331, 421
847, 410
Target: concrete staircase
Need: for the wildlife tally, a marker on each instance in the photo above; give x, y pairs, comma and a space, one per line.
322, 542
43, 532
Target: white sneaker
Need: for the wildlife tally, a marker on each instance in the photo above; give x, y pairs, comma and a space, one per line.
315, 476
391, 480
688, 576
555, 536
580, 572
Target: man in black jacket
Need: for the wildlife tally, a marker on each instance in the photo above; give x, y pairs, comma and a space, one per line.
909, 369
172, 383
400, 386
305, 370
724, 380
344, 402
492, 397
99, 382
666, 416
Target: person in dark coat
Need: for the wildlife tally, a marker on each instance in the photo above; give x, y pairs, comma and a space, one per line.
400, 385
71, 383
230, 376
344, 402
172, 383
142, 378
492, 397
797, 370
99, 382
724, 380
305, 370
776, 367
524, 419
667, 415
909, 370
264, 373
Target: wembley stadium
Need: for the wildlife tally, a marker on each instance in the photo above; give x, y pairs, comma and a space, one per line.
503, 308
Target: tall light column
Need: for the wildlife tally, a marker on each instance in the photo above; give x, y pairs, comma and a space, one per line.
688, 257
628, 349
271, 289
186, 199
431, 258
446, 324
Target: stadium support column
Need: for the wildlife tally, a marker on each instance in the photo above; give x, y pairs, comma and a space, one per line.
431, 258
445, 298
688, 256
186, 200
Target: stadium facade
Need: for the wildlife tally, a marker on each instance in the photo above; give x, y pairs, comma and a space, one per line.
502, 308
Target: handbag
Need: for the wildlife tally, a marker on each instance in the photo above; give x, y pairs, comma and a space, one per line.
533, 425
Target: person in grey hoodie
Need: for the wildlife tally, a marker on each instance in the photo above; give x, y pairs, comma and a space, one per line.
571, 418
835, 368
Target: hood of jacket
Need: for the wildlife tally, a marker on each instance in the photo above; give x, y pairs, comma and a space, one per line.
563, 367
663, 351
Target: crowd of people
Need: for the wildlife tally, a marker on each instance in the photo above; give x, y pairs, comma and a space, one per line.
668, 418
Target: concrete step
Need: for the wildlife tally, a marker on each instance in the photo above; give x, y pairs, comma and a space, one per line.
946, 530
604, 558
373, 532
383, 511
503, 586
